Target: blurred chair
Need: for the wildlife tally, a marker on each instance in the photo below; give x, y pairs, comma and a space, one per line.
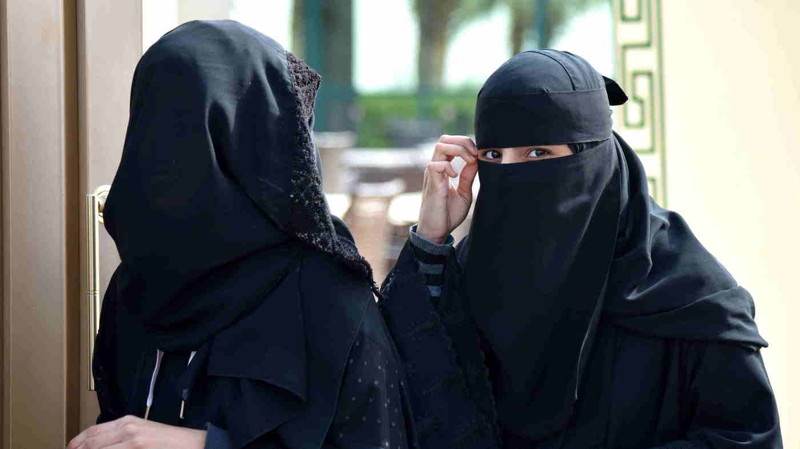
332, 146
377, 165
403, 213
368, 223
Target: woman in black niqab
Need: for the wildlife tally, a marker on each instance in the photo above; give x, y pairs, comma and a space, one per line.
578, 313
240, 304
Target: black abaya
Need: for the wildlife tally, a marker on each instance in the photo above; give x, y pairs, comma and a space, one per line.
578, 313
240, 303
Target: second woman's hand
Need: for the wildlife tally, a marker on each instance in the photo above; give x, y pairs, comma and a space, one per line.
131, 432
445, 207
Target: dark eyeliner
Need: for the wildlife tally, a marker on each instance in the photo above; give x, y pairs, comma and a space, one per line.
532, 150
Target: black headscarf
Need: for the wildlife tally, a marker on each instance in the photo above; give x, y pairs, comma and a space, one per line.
218, 183
217, 211
557, 245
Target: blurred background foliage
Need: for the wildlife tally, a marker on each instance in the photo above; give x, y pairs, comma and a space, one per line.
532, 22
322, 33
383, 116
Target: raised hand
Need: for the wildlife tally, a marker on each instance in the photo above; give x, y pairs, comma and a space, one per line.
445, 207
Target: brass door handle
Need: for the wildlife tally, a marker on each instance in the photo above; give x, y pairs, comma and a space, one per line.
94, 219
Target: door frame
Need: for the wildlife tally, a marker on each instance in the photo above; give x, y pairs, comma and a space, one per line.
40, 218
54, 93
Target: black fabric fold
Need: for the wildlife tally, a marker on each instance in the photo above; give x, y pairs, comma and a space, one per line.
664, 282
616, 96
279, 320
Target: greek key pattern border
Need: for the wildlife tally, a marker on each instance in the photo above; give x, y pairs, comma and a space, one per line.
637, 29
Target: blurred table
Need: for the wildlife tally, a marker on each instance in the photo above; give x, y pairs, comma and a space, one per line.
377, 165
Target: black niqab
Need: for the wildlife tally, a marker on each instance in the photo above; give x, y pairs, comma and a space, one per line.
558, 244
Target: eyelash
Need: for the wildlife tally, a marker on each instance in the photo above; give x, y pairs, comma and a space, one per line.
488, 153
533, 151
532, 154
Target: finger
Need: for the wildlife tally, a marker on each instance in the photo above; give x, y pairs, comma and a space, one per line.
437, 182
466, 180
96, 430
442, 167
76, 442
463, 141
103, 440
447, 151
134, 444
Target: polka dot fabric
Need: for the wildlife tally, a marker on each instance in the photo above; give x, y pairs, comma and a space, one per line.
372, 411
445, 413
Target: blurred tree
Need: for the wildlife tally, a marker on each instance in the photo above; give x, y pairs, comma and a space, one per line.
541, 21
298, 28
440, 19
322, 34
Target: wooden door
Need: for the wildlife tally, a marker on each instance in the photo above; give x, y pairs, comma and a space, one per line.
40, 226
65, 75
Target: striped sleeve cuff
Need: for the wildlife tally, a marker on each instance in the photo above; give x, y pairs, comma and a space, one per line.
436, 249
431, 258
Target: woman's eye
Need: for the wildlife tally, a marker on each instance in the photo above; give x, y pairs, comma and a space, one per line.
537, 152
493, 154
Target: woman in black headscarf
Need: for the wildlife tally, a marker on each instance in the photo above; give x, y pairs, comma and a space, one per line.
241, 306
577, 313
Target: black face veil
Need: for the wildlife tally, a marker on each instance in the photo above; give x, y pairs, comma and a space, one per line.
559, 244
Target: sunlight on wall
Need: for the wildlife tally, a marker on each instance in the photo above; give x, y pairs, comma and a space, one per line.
591, 36
272, 17
733, 169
